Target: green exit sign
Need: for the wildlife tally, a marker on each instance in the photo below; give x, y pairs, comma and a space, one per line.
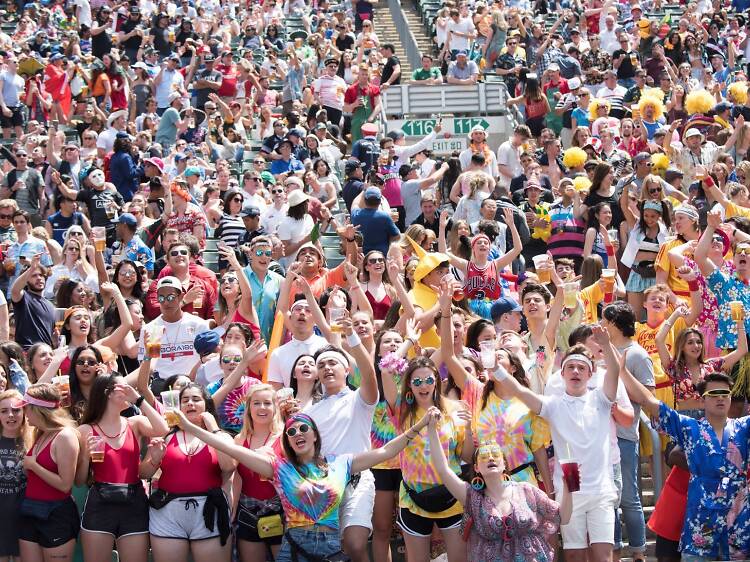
463, 126
419, 128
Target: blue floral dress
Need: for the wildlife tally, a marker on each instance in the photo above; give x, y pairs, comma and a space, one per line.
717, 522
729, 288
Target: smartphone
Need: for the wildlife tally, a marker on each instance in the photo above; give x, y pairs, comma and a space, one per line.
55, 124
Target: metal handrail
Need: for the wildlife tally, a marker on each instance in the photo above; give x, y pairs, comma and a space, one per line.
657, 477
408, 41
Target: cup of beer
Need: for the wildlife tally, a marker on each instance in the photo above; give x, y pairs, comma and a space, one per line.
609, 278
198, 302
542, 268
487, 354
153, 344
96, 450
100, 238
62, 383
737, 310
335, 313
571, 474
171, 401
570, 292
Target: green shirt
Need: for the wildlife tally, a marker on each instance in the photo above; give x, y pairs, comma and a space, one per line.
422, 74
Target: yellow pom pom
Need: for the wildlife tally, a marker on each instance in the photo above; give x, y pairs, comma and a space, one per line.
737, 92
699, 101
582, 183
651, 101
659, 163
574, 157
595, 104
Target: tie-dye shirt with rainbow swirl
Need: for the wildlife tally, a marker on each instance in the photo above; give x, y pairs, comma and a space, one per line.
232, 409
312, 499
510, 424
417, 467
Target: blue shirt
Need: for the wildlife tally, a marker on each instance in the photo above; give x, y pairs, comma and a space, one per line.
61, 224
284, 166
137, 250
728, 288
377, 229
124, 174
265, 295
717, 477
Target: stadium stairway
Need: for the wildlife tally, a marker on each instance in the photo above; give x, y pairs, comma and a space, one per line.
387, 33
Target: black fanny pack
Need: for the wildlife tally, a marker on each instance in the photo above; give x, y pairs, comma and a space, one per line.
645, 269
117, 493
434, 500
39, 509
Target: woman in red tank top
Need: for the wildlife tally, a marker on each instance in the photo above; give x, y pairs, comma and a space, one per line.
377, 286
189, 488
112, 453
235, 295
49, 518
261, 429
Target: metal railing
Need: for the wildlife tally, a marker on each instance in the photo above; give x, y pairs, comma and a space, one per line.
408, 41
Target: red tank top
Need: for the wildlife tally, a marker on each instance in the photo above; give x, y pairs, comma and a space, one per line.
38, 489
120, 466
379, 309
184, 474
237, 317
482, 283
253, 486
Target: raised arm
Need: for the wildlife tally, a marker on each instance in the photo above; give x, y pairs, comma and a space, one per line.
733, 357
255, 350
507, 258
368, 388
126, 320
704, 244
363, 461
601, 336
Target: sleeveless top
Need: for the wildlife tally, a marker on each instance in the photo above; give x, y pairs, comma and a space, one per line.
379, 308
649, 244
253, 486
183, 473
482, 283
232, 230
38, 489
120, 466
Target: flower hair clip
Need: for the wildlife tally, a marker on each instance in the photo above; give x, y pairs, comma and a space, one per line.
392, 362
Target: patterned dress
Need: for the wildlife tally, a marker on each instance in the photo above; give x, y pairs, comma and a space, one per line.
727, 288
717, 525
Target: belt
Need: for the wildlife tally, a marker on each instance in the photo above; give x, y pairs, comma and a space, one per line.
521, 467
665, 384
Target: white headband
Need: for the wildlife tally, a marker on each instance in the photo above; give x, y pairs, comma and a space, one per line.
335, 355
578, 357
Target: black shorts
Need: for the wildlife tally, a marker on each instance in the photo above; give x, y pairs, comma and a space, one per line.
61, 526
419, 526
15, 120
119, 520
387, 479
247, 524
666, 548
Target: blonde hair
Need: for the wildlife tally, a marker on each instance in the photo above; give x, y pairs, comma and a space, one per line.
247, 420
23, 440
52, 419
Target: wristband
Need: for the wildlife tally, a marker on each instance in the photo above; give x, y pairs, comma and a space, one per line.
138, 402
353, 340
610, 250
709, 181
693, 285
500, 374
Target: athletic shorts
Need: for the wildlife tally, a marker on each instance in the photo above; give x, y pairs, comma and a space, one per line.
182, 518
358, 502
592, 521
419, 526
118, 520
61, 527
387, 479
15, 120
247, 526
666, 548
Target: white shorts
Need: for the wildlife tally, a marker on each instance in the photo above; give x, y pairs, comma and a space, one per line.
592, 521
182, 518
357, 504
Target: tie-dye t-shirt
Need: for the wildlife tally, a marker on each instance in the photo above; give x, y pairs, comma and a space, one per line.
384, 430
232, 409
510, 424
313, 499
417, 467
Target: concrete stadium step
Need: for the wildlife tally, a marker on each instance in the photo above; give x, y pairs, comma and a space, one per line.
386, 31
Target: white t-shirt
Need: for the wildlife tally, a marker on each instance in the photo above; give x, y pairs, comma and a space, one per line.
178, 355
508, 155
293, 230
271, 218
344, 422
106, 139
582, 425
330, 90
209, 372
84, 12
556, 387
464, 25
283, 357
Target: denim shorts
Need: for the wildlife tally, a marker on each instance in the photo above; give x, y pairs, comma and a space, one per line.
318, 543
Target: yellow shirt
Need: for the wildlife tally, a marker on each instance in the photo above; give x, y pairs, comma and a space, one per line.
733, 210
425, 298
645, 336
590, 297
675, 282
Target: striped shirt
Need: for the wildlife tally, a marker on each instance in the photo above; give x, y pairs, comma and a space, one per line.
568, 233
614, 96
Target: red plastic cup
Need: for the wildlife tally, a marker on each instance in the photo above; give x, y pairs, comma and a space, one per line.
571, 474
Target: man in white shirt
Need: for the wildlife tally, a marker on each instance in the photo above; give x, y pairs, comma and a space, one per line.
608, 33
116, 123
329, 89
304, 342
344, 420
177, 355
461, 31
580, 424
273, 214
509, 155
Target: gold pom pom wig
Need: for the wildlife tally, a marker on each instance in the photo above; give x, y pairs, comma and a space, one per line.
582, 183
699, 101
595, 104
650, 101
574, 157
737, 93
659, 164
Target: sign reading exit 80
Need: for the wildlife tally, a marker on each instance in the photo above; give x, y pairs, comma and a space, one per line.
458, 126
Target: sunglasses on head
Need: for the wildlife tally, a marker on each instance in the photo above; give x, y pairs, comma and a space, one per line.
166, 298
267, 253
427, 380
174, 253
227, 359
301, 428
87, 362
715, 392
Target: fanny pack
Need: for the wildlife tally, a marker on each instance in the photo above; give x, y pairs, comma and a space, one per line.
116, 493
39, 509
265, 516
645, 269
296, 550
434, 500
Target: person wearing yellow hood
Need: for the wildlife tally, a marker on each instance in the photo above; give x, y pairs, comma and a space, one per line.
432, 267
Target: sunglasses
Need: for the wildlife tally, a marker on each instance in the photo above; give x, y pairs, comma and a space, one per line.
277, 191
74, 233
376, 260
718, 239
487, 452
419, 382
655, 190
231, 280
127, 273
227, 359
267, 253
87, 362
745, 250
259, 161
302, 428
6, 217
237, 199
717, 392
166, 298
175, 253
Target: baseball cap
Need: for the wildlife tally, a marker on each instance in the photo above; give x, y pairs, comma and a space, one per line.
462, 53
373, 193
640, 157
503, 305
251, 212
206, 342
192, 171
170, 283
127, 218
